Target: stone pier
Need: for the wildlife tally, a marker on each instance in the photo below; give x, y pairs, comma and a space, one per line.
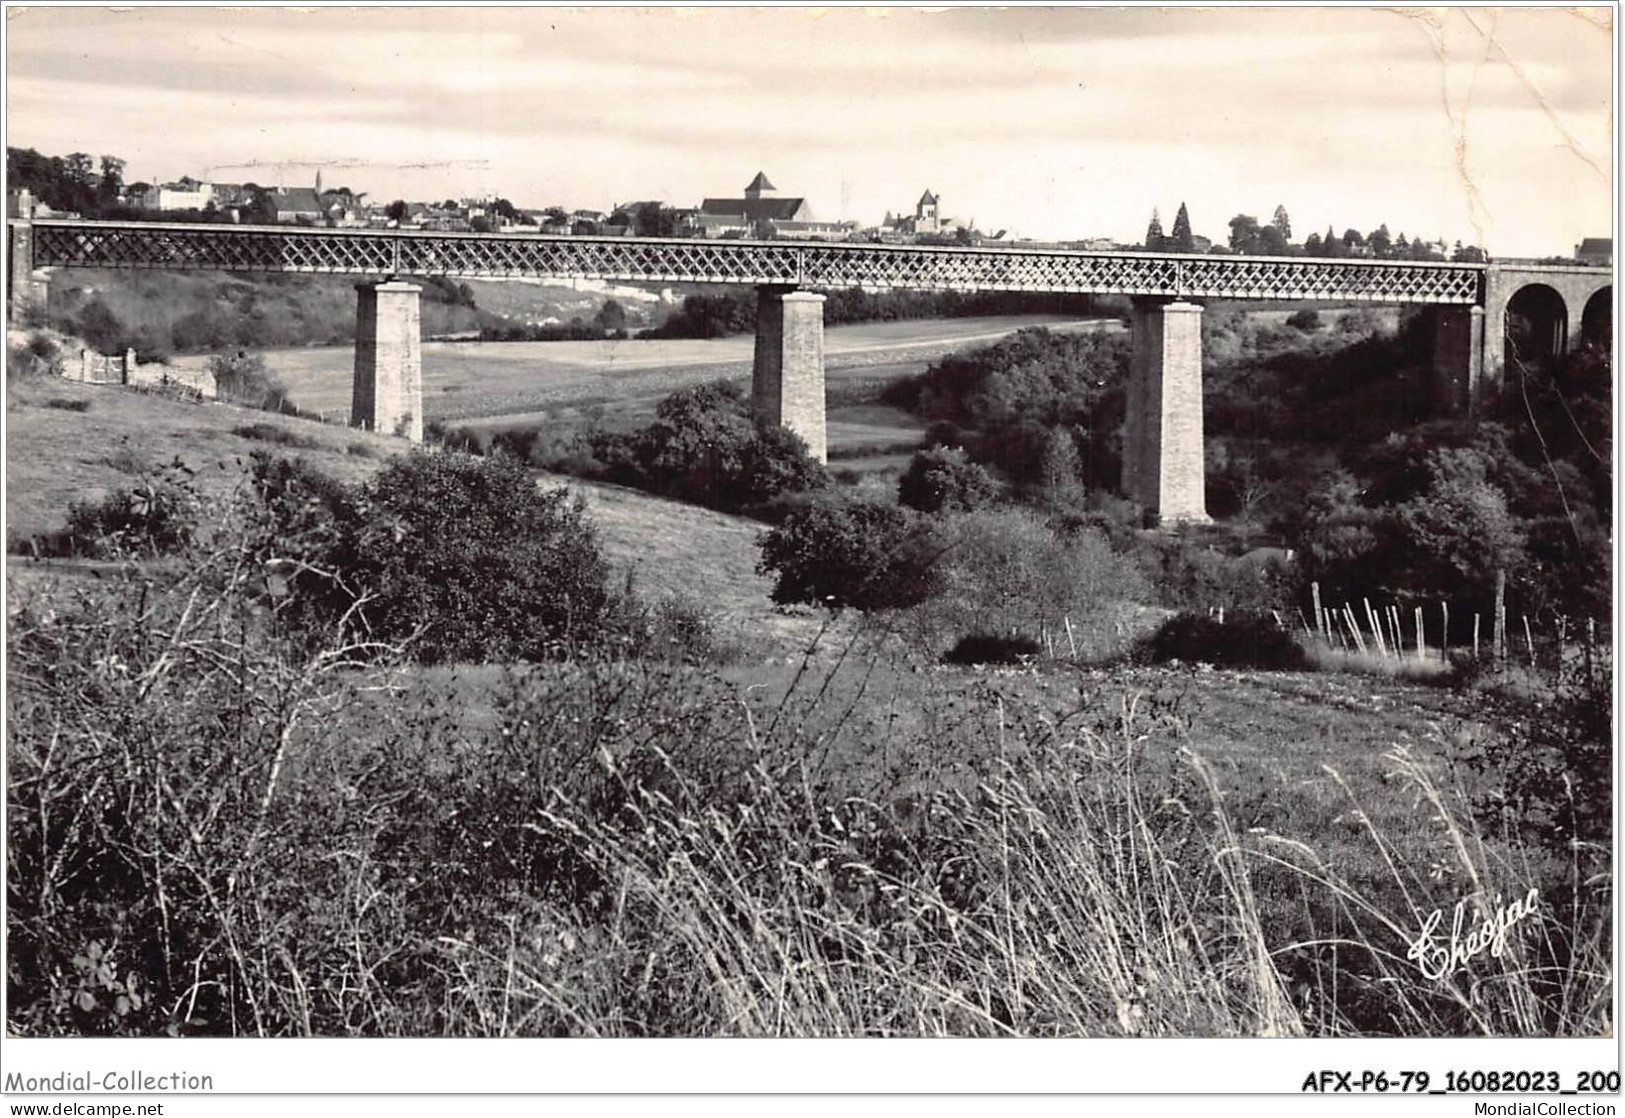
22, 289
1459, 386
1163, 465
787, 385
388, 393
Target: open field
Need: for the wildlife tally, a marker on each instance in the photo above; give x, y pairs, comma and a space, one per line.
465, 380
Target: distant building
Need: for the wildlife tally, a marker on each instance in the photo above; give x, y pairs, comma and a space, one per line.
298, 203
1597, 251
187, 194
927, 221
754, 215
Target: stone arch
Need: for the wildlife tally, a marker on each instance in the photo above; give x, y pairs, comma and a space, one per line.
1597, 319
1536, 324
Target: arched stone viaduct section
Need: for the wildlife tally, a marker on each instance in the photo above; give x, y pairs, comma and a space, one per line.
1163, 429
1574, 285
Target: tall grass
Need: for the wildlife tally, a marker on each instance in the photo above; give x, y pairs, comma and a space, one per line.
215, 830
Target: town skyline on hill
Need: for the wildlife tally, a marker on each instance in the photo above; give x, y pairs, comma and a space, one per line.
1487, 127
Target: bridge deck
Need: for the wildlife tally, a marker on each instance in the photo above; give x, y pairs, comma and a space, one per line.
366, 252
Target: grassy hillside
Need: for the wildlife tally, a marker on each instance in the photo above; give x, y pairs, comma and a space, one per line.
823, 834
164, 313
58, 454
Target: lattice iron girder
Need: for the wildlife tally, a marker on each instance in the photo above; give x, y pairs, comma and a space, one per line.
65, 244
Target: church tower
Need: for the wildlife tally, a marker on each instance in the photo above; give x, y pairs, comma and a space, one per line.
925, 214
760, 188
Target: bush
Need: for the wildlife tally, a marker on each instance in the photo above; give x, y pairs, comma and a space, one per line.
704, 447
271, 433
62, 403
1010, 571
942, 478
244, 379
1241, 640
39, 356
469, 560
1307, 320
860, 554
980, 648
1553, 764
158, 516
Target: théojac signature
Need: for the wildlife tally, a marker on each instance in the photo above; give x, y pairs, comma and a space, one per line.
1436, 959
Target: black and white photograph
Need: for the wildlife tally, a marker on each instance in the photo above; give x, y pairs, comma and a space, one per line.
1090, 523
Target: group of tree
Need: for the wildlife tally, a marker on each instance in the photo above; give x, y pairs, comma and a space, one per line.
1043, 410
1180, 240
705, 447
610, 322
1250, 237
1314, 442
71, 183
733, 311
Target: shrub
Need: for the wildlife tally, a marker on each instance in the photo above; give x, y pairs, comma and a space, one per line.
271, 433
704, 447
1241, 640
776, 463
1307, 320
1360, 321
157, 516
39, 356
1188, 571
1554, 763
62, 403
981, 648
469, 559
860, 554
942, 478
244, 379
1009, 571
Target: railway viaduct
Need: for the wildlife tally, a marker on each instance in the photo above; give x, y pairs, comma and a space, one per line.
1163, 449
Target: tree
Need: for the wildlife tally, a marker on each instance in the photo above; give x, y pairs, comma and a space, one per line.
1061, 472
941, 479
1353, 241
1332, 245
396, 210
1380, 243
112, 181
462, 558
1459, 530
1153, 233
80, 168
1182, 239
1402, 247
861, 554
1244, 233
260, 210
1271, 242
611, 317
1282, 224
1311, 245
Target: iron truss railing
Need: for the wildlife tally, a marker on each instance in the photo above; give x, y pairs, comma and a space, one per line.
231, 248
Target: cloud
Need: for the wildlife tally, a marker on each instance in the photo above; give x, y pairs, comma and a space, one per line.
1356, 112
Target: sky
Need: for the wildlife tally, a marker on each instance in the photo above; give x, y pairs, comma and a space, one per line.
1489, 126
